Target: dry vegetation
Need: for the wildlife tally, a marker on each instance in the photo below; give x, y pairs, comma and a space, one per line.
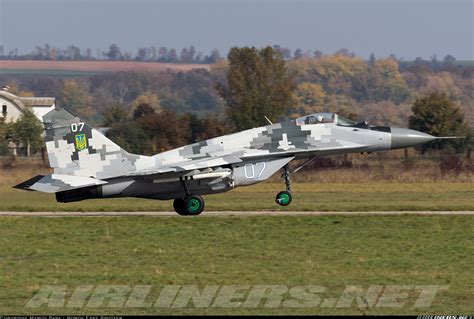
355, 168
386, 168
15, 170
99, 66
356, 183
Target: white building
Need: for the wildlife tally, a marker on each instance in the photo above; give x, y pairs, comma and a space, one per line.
12, 106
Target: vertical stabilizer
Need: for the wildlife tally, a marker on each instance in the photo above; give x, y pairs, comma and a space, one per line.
74, 148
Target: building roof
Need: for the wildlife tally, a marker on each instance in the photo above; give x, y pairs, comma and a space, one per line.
13, 98
23, 102
38, 101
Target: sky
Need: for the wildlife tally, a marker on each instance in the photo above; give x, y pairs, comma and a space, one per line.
408, 29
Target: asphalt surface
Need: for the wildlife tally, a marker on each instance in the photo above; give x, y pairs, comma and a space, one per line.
229, 213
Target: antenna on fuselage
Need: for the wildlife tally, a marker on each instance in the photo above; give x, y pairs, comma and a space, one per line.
266, 118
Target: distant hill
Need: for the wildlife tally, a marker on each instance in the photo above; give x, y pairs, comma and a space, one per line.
86, 68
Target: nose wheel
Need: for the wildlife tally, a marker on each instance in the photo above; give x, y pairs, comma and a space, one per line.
189, 206
284, 198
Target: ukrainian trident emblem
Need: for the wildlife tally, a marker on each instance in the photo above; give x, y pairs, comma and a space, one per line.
81, 142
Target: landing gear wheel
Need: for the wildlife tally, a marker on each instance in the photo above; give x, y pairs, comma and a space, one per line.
178, 206
283, 198
193, 205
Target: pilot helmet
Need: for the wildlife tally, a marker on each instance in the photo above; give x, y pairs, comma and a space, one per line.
319, 118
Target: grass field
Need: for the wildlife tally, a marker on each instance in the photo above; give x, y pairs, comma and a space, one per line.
329, 251
332, 251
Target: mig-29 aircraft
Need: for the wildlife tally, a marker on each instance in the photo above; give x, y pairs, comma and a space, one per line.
88, 165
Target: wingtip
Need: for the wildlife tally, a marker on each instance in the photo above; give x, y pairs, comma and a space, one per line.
28, 183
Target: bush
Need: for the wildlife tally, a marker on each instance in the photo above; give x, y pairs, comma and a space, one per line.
451, 164
8, 163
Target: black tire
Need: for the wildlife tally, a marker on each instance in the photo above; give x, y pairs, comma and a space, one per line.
283, 198
193, 205
178, 206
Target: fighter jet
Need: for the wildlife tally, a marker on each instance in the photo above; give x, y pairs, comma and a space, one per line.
89, 165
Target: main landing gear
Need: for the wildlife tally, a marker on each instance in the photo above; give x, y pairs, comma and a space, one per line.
189, 206
284, 198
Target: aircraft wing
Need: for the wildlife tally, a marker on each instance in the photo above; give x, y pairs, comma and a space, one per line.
248, 169
53, 183
240, 156
191, 165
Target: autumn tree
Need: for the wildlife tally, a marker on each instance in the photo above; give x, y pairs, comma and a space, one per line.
162, 54
435, 114
285, 52
166, 129
124, 131
205, 128
309, 98
3, 136
298, 54
386, 113
441, 82
171, 56
449, 59
147, 98
380, 80
187, 55
213, 57
345, 52
115, 114
143, 54
258, 85
387, 81
335, 73
114, 53
318, 54
27, 132
75, 96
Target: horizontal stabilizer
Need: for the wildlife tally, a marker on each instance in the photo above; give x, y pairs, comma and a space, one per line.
27, 184
54, 183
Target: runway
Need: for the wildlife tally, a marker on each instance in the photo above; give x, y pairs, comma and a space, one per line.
233, 213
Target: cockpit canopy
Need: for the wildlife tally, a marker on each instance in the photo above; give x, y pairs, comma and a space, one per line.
325, 117
316, 118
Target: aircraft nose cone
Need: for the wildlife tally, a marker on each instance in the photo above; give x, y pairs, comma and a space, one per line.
403, 138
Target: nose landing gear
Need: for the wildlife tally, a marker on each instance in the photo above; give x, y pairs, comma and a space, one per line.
284, 198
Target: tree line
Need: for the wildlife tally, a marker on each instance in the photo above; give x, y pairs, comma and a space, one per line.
191, 55
151, 112
47, 52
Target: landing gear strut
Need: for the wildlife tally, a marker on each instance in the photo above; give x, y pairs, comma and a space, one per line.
284, 198
189, 206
